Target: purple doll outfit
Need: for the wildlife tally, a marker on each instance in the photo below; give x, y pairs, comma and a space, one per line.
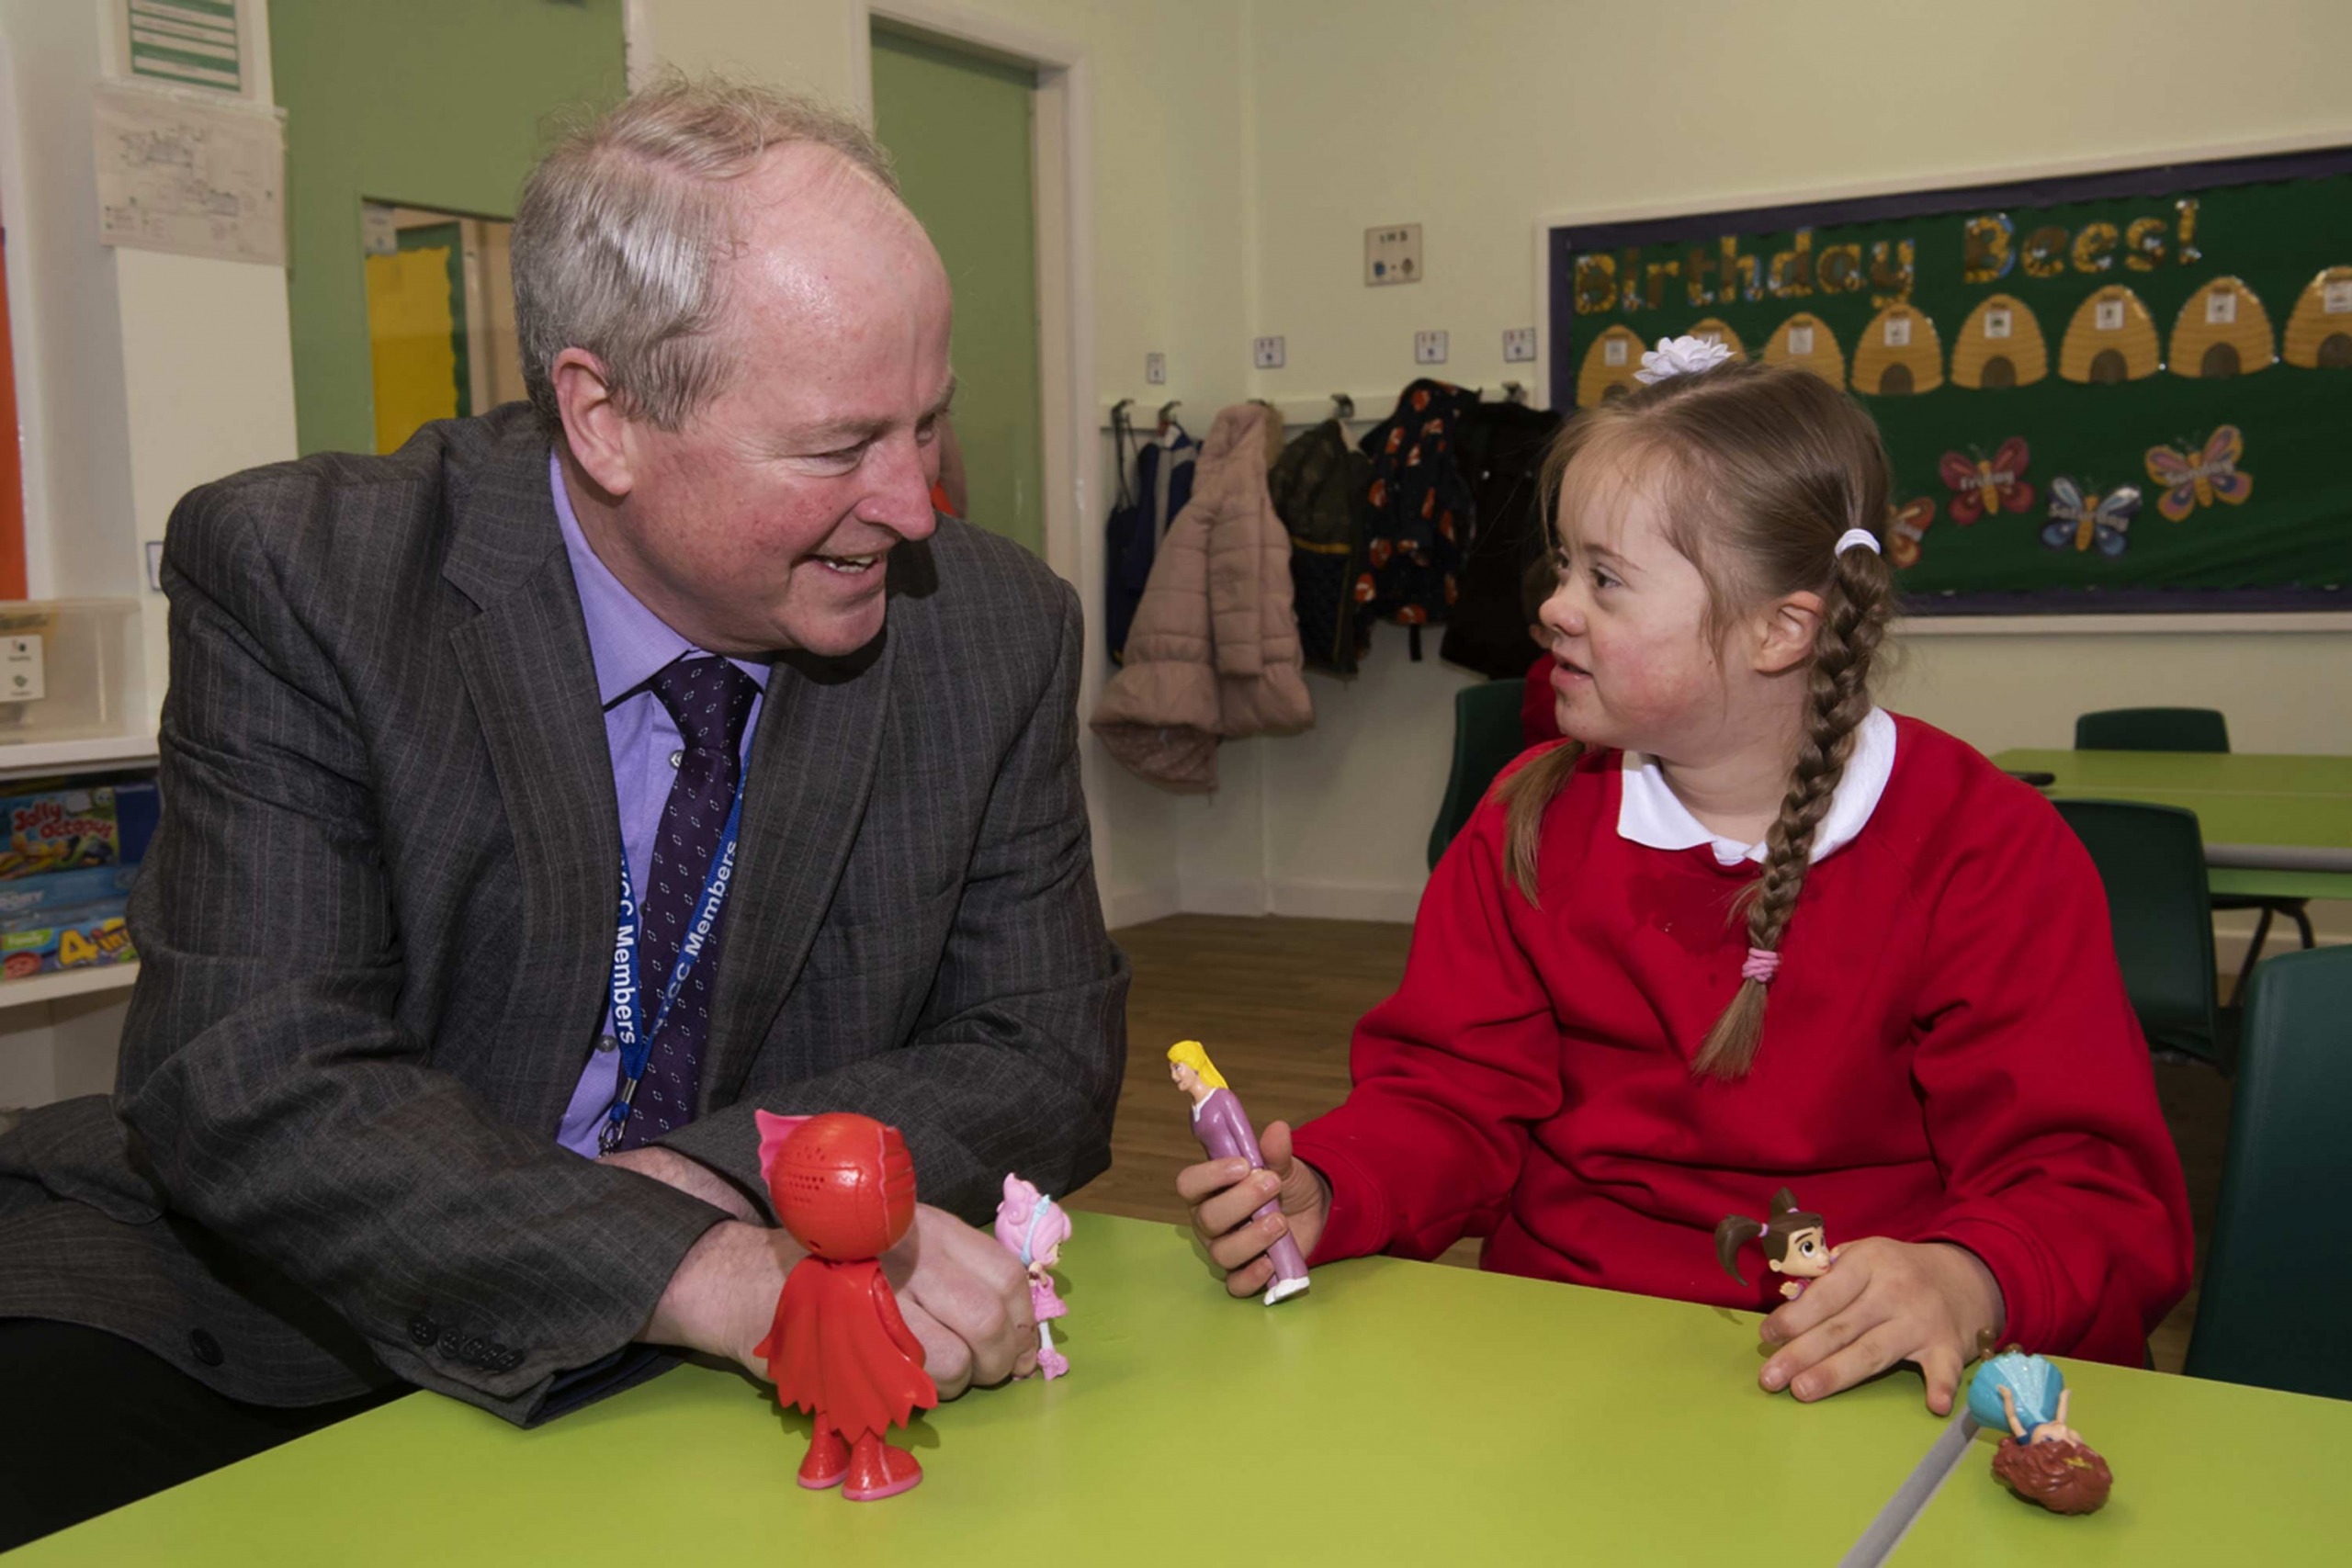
1224, 1130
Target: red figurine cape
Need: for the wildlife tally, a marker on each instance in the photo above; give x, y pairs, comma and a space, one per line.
839, 1346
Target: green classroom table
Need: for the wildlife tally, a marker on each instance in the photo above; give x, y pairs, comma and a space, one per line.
1399, 1413
2276, 827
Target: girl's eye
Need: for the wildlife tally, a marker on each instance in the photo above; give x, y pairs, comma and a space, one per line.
1602, 580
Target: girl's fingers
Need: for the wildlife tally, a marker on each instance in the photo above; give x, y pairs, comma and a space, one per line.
1209, 1177
1236, 1248
1817, 1344
1250, 1281
1824, 1298
1865, 1358
1941, 1365
1231, 1208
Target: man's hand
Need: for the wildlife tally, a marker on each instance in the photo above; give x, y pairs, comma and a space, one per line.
1224, 1194
966, 1297
1884, 1302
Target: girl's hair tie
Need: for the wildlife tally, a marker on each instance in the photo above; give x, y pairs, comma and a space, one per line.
1761, 966
1854, 538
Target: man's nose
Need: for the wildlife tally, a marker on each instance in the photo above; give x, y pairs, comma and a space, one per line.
901, 498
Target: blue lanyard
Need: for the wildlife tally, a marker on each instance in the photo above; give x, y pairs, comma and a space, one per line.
637, 1043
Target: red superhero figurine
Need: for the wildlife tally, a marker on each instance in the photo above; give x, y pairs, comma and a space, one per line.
845, 1187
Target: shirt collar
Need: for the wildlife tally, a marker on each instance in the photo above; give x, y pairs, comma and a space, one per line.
629, 643
1649, 814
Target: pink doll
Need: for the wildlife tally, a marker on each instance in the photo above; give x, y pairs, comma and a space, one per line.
1033, 1226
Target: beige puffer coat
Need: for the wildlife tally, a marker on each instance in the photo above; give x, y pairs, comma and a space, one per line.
1214, 652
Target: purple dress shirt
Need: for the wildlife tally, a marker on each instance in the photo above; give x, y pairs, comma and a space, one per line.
629, 643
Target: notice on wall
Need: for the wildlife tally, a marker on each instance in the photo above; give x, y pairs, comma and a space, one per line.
195, 178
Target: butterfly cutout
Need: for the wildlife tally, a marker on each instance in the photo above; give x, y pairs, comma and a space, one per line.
1904, 534
2082, 520
2211, 475
1983, 486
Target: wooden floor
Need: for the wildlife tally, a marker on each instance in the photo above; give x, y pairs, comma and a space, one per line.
1275, 999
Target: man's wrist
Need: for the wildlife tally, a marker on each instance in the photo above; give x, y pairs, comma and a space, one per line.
723, 1294
688, 1176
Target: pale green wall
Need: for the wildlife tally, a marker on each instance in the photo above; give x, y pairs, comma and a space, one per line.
433, 103
958, 129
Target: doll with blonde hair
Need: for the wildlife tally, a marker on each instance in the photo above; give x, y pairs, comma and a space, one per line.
1224, 1130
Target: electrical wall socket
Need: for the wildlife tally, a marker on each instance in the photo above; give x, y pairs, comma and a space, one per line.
1519, 346
1429, 348
1267, 353
1155, 369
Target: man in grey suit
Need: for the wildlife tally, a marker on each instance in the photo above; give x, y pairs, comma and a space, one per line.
679, 652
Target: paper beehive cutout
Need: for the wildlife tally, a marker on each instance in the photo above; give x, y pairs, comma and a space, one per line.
2319, 334
1609, 366
1999, 346
1805, 341
2221, 330
1899, 354
1712, 330
2112, 339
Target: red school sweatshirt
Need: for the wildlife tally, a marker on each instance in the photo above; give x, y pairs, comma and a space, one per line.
1948, 1055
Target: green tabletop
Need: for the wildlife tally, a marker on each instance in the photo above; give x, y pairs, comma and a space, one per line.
1398, 1413
2282, 825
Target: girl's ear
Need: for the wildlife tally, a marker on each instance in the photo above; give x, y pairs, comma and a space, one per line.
1784, 630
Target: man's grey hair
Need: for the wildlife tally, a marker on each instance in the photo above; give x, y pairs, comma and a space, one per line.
624, 232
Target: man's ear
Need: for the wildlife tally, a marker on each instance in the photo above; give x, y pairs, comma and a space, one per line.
593, 425
1785, 629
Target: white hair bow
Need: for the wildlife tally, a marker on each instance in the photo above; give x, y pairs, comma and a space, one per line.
1680, 356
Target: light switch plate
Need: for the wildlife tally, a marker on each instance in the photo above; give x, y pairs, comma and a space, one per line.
1267, 353
1155, 369
1519, 346
1391, 254
1429, 348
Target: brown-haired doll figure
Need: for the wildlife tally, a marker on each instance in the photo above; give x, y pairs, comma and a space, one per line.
1795, 1243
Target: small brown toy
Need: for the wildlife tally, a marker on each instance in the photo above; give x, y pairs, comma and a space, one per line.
1795, 1243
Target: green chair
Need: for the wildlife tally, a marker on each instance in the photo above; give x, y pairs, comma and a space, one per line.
2280, 1271
2191, 729
2152, 859
1486, 737
2153, 729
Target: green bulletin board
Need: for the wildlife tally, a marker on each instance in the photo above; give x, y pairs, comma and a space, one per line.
2040, 357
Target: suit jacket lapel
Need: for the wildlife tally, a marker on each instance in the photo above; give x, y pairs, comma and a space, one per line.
813, 763
525, 663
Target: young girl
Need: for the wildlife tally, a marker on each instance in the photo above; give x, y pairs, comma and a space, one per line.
1743, 928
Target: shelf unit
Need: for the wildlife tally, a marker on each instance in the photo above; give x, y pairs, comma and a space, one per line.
100, 754
59, 984
48, 1052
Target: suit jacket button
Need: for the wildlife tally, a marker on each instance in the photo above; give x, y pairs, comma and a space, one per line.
422, 1329
205, 1348
450, 1343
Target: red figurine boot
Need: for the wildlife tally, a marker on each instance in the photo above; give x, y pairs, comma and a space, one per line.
845, 1187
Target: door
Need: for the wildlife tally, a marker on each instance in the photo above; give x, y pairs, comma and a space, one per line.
958, 128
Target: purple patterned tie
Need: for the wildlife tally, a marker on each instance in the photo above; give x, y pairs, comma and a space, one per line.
709, 699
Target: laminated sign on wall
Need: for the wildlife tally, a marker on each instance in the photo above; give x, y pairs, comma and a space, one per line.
2041, 357
201, 179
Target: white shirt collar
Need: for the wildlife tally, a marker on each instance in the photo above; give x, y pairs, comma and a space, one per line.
1649, 814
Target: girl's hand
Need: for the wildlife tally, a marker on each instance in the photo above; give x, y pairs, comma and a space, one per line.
1884, 1302
1224, 1193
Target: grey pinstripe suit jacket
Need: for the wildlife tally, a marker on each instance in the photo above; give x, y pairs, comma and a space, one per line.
375, 925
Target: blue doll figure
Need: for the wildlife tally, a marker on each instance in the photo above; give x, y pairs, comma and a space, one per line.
2022, 1395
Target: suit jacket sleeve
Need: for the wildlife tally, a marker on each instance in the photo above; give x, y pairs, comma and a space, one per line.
264, 1083
1014, 1064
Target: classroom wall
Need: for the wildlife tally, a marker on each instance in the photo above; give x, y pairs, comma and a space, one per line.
440, 104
